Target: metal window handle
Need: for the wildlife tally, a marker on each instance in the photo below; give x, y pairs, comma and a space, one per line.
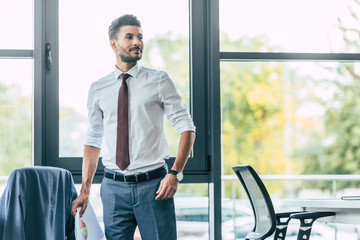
48, 56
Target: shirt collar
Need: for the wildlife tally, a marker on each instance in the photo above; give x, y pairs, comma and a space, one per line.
133, 71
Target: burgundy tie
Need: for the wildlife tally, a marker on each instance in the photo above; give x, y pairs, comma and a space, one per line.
122, 140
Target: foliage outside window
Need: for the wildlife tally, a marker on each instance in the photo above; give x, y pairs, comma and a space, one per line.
15, 114
292, 117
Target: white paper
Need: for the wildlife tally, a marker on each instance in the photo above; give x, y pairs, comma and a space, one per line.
94, 231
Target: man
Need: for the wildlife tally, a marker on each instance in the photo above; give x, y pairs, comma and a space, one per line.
137, 188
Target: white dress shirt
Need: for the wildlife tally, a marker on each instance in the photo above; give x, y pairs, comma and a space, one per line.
152, 94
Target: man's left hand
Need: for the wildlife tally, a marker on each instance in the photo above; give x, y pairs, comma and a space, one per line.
168, 187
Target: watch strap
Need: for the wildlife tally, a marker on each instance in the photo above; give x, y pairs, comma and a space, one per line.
173, 172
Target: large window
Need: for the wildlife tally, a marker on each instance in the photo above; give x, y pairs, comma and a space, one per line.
16, 84
81, 55
85, 56
275, 82
289, 95
51, 53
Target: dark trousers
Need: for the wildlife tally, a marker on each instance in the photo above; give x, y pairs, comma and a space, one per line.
127, 205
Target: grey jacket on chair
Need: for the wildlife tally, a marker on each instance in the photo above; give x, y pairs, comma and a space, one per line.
36, 204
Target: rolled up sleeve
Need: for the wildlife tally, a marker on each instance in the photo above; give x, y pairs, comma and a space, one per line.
174, 106
95, 130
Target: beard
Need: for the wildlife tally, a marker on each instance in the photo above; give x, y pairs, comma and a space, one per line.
125, 55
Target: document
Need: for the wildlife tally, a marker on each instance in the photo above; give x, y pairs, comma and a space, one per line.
87, 227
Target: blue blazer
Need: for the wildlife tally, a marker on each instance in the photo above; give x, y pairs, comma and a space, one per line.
36, 204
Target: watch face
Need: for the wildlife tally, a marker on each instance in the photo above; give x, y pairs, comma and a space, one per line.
180, 176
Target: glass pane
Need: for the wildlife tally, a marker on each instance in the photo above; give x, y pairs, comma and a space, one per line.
15, 114
16, 24
81, 63
237, 215
191, 206
192, 211
289, 118
290, 26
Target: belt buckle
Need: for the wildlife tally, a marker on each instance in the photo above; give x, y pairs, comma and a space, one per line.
131, 182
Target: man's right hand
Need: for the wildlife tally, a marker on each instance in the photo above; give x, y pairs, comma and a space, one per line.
81, 201
91, 157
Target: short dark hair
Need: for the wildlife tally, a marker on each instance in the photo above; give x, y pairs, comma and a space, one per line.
125, 20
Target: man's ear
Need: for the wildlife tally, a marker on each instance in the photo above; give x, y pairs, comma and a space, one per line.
113, 44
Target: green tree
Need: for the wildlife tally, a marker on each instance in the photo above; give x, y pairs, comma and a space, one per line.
253, 118
341, 155
70, 122
15, 129
170, 53
341, 152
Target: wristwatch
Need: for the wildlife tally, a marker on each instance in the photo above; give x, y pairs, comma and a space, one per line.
179, 175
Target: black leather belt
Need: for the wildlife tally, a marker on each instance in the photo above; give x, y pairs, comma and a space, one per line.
135, 178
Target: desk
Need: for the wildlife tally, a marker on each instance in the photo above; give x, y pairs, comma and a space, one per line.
347, 211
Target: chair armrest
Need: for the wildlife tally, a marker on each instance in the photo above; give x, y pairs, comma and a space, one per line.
311, 215
286, 214
284, 217
306, 221
282, 221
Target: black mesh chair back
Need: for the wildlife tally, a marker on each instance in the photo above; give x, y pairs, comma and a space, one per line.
264, 213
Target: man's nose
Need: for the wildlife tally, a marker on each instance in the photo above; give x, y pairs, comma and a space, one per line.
136, 42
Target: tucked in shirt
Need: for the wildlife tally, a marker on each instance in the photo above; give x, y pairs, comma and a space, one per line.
151, 95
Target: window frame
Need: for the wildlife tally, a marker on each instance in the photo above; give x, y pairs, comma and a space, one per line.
39, 80
282, 57
198, 167
36, 55
204, 78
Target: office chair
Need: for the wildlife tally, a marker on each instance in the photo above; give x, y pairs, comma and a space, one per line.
267, 222
36, 204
